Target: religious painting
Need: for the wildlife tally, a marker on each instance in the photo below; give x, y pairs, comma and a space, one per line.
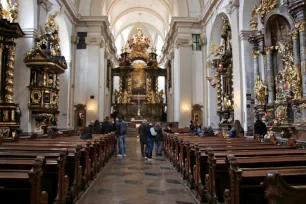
138, 82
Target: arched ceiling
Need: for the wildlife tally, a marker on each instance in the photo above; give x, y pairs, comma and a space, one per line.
153, 15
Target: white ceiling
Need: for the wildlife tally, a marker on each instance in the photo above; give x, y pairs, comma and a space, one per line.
153, 16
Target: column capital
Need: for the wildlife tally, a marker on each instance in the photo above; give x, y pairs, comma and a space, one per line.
107, 55
183, 42
203, 41
301, 25
269, 49
95, 40
245, 34
295, 34
255, 53
75, 39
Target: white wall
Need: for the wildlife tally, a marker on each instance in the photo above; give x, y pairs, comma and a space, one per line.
197, 78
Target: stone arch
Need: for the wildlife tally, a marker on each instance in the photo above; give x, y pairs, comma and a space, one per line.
286, 18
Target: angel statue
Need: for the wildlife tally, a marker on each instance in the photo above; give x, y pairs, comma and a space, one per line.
50, 26
12, 11
261, 90
161, 96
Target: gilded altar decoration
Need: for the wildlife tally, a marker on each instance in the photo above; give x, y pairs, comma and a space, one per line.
12, 13
253, 21
46, 64
125, 97
139, 45
222, 64
261, 90
265, 7
9, 32
292, 71
138, 96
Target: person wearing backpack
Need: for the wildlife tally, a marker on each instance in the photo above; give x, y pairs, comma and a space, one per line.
121, 130
151, 134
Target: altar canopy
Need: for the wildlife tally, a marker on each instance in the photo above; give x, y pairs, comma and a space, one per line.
138, 95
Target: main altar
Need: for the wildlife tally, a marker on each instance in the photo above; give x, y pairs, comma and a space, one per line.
138, 96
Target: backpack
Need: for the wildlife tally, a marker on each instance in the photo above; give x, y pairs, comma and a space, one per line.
123, 128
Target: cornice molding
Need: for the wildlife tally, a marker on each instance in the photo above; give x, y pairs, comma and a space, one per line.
245, 34
45, 4
101, 25
183, 42
30, 32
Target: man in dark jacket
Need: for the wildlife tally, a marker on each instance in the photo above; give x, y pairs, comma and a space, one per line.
159, 140
107, 126
142, 130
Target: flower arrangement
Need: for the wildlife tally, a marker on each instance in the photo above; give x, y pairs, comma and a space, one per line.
267, 117
277, 122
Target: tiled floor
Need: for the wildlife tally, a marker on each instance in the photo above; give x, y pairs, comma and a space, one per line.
133, 180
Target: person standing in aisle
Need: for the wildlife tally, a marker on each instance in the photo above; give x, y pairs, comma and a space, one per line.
159, 140
121, 130
143, 137
150, 140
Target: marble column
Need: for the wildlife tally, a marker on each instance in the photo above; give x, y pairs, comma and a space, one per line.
205, 84
182, 81
270, 72
74, 42
93, 105
237, 67
302, 42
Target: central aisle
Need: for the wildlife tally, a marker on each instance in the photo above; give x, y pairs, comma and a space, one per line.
134, 180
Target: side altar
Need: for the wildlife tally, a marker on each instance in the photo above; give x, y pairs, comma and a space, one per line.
138, 96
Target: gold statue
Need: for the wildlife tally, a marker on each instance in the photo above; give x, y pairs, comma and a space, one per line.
265, 7
50, 26
125, 97
161, 96
261, 90
253, 21
139, 45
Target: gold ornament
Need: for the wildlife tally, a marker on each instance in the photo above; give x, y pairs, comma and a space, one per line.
253, 21
10, 75
50, 26
139, 45
295, 34
255, 53
292, 71
36, 96
265, 7
261, 90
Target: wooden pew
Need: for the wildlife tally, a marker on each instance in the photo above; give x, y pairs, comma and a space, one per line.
85, 161
72, 167
217, 168
23, 186
247, 184
277, 190
56, 182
